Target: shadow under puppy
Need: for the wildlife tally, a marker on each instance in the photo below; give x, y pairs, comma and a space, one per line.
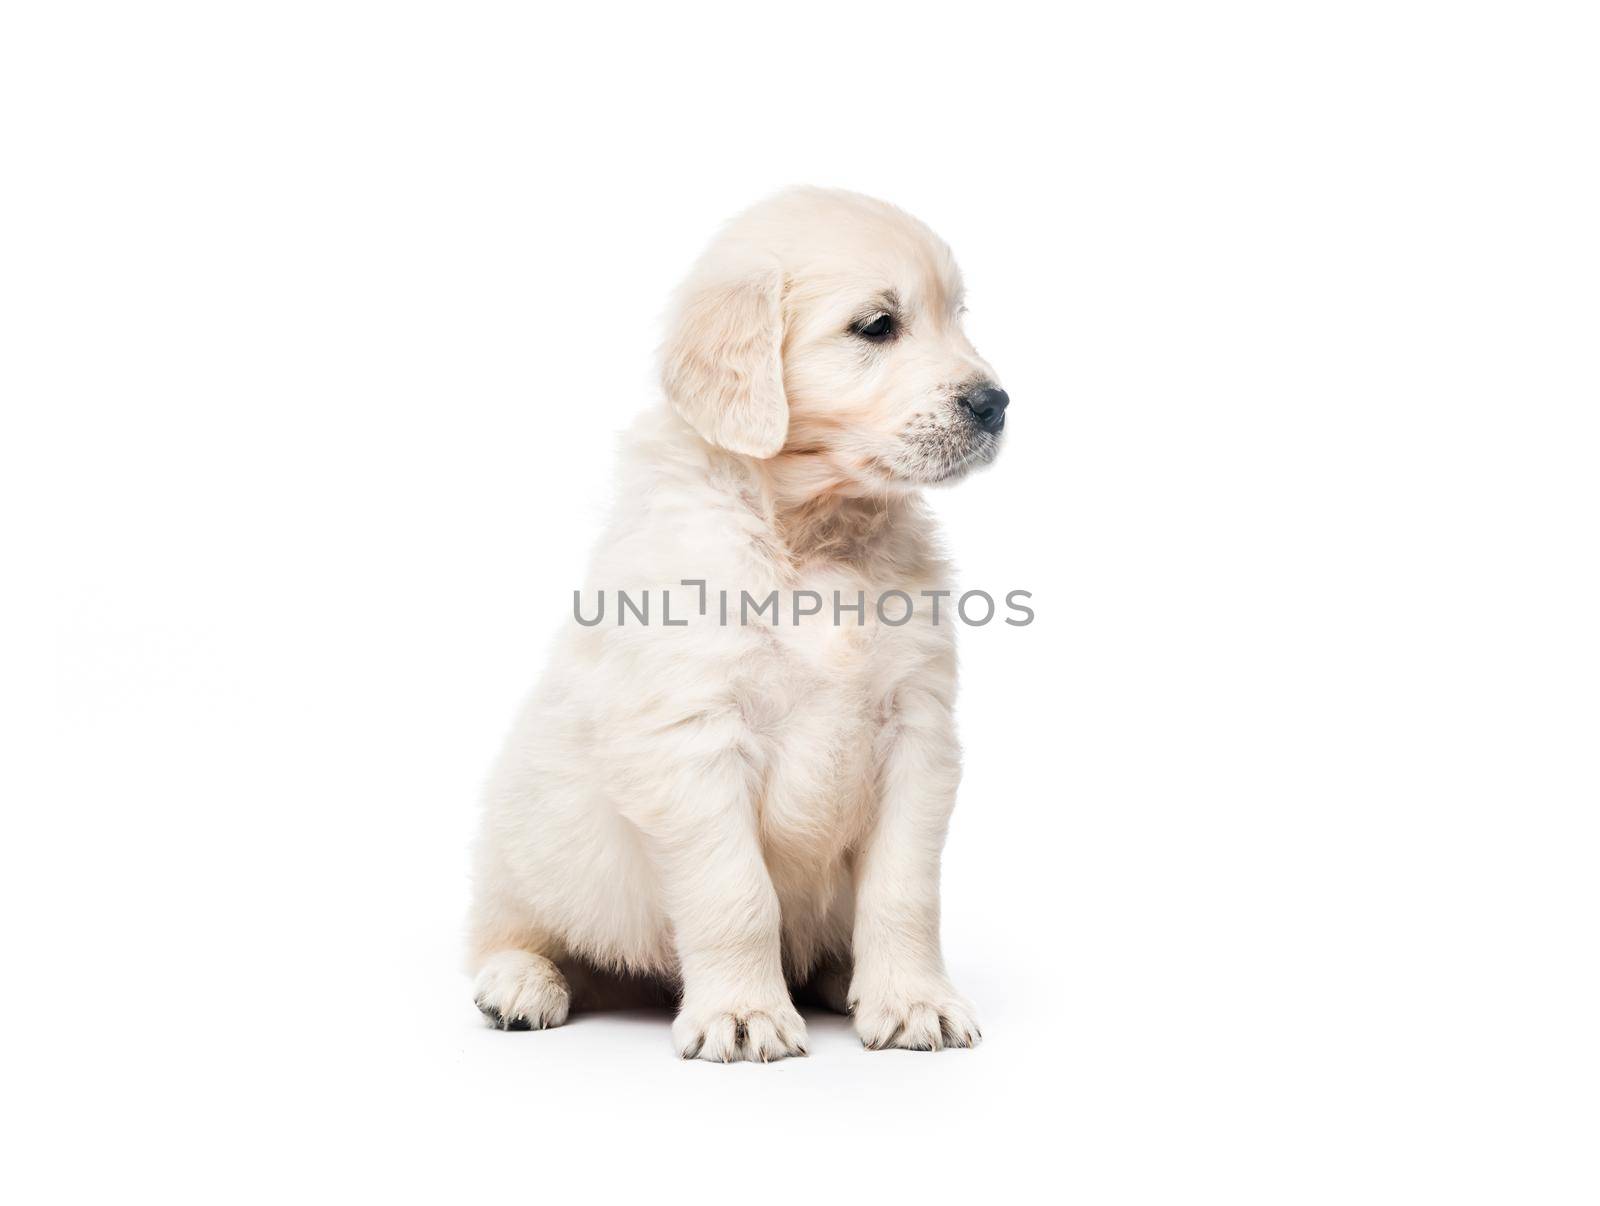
734, 811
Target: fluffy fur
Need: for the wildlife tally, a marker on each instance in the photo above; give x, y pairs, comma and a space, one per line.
728, 814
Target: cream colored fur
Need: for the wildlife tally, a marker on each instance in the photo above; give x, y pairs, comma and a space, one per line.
735, 812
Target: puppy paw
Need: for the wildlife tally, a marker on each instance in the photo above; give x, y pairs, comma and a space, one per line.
929, 1020
518, 990
758, 1033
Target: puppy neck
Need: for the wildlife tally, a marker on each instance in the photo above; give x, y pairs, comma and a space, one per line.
819, 515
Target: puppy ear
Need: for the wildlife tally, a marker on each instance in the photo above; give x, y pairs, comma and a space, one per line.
722, 365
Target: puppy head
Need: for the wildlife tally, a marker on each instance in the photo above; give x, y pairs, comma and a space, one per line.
822, 332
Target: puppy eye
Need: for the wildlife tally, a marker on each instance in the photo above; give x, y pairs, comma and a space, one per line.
876, 329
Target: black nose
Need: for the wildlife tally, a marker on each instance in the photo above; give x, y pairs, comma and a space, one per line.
988, 406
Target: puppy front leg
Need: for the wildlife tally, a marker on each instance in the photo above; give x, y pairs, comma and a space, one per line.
725, 922
900, 995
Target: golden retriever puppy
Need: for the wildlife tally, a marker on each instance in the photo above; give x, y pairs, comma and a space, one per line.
731, 805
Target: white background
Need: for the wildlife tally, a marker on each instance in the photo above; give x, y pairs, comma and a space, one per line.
1273, 876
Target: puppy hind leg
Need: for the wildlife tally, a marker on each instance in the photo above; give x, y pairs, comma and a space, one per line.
521, 990
517, 985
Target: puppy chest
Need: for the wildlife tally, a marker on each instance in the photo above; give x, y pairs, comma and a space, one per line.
821, 702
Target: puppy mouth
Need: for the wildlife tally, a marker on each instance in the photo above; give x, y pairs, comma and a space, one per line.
980, 451
934, 453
